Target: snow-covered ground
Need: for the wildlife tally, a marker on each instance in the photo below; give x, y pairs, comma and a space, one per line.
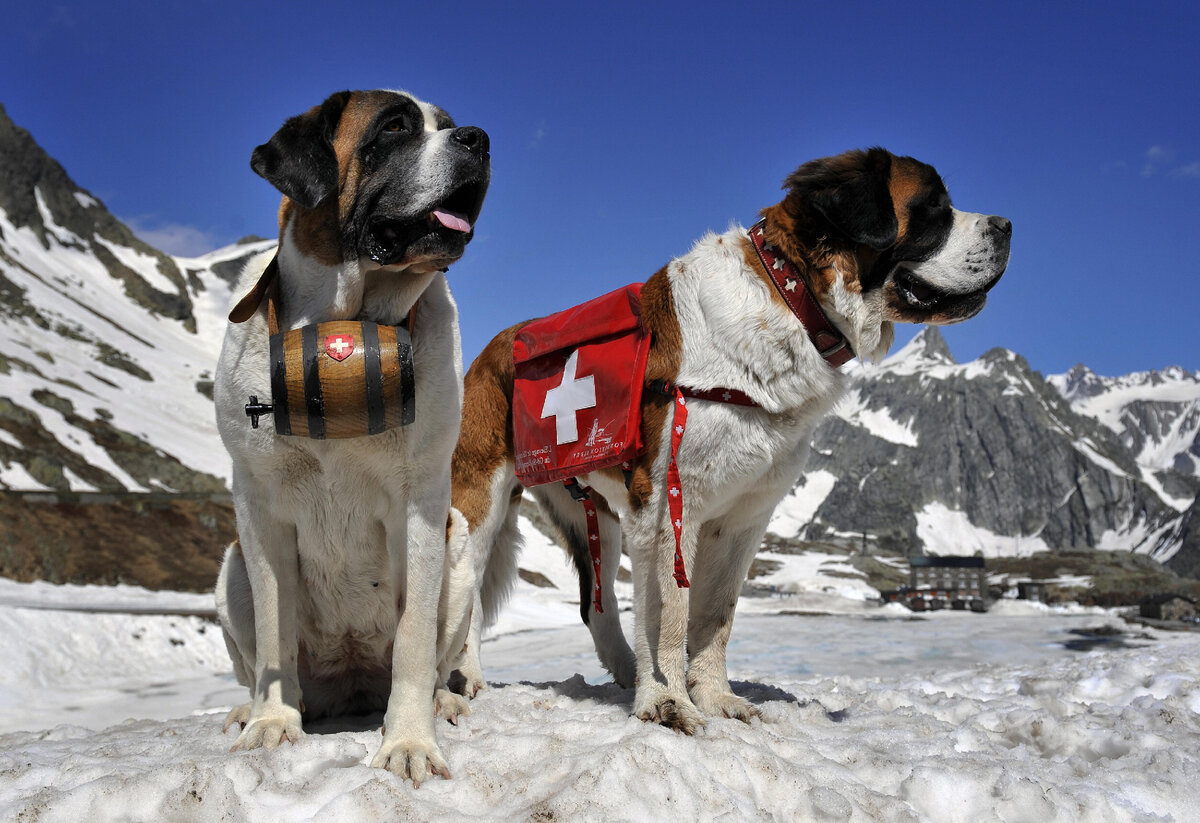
868, 714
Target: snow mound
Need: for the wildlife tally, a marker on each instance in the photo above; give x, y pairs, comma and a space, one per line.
1092, 737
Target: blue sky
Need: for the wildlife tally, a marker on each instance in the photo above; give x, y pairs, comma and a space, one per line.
621, 133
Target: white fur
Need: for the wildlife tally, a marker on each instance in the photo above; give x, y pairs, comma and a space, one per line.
343, 545
969, 259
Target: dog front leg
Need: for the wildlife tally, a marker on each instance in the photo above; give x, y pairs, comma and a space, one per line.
272, 565
722, 564
416, 539
660, 630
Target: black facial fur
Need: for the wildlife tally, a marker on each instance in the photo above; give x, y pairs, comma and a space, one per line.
850, 192
299, 159
929, 222
391, 217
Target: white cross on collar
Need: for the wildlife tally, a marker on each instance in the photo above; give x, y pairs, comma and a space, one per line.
567, 398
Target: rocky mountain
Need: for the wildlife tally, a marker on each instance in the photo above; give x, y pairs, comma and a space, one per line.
106, 354
929, 455
106, 345
1156, 414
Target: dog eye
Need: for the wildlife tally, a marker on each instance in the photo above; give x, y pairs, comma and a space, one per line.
397, 125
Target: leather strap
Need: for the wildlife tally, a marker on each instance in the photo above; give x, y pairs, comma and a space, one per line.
717, 395
267, 288
829, 342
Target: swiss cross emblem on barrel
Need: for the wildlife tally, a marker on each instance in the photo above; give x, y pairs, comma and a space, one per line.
339, 346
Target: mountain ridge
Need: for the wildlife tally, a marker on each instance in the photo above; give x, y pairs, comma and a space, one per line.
107, 348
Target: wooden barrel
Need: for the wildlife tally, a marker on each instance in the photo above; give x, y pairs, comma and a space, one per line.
342, 379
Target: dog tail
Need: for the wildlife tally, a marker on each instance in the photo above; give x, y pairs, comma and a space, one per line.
566, 516
499, 575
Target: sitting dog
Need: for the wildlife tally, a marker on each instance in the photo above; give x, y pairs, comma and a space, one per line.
329, 598
746, 332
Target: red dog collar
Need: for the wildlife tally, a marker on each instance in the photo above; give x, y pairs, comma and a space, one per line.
829, 342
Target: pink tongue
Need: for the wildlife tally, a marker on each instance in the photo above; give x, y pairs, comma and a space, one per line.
452, 221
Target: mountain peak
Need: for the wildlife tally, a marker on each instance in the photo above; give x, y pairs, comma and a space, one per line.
928, 345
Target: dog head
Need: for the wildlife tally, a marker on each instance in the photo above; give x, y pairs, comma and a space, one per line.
879, 242
377, 178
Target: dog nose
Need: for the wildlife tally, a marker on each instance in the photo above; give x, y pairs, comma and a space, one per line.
1001, 225
474, 138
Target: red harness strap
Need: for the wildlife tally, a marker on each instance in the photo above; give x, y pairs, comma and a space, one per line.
674, 485
675, 488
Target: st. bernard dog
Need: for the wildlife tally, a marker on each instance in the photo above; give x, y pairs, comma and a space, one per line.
874, 239
329, 598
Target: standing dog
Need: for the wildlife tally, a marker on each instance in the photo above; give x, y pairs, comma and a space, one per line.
329, 599
873, 239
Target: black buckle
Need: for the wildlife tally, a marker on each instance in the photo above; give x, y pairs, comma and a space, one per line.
664, 387
577, 491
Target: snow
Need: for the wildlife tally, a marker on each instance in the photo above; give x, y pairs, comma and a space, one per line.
815, 572
797, 510
63, 235
868, 714
145, 265
853, 409
85, 200
76, 483
16, 476
946, 531
1088, 449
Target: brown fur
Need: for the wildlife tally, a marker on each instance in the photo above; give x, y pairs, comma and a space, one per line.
818, 263
904, 184
485, 440
666, 355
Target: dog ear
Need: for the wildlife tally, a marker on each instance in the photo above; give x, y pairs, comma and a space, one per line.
299, 159
851, 191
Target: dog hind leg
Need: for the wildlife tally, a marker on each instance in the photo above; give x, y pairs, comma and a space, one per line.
459, 592
235, 611
568, 516
493, 545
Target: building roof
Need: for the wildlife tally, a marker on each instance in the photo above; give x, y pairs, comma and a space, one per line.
949, 561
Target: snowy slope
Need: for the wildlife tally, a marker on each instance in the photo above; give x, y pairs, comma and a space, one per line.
1156, 413
58, 368
866, 716
107, 345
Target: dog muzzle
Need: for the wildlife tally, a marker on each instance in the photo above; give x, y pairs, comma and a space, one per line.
338, 380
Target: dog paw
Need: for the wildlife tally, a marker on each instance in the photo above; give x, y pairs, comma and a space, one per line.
269, 731
467, 681
414, 760
724, 704
673, 711
239, 715
449, 706
624, 671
